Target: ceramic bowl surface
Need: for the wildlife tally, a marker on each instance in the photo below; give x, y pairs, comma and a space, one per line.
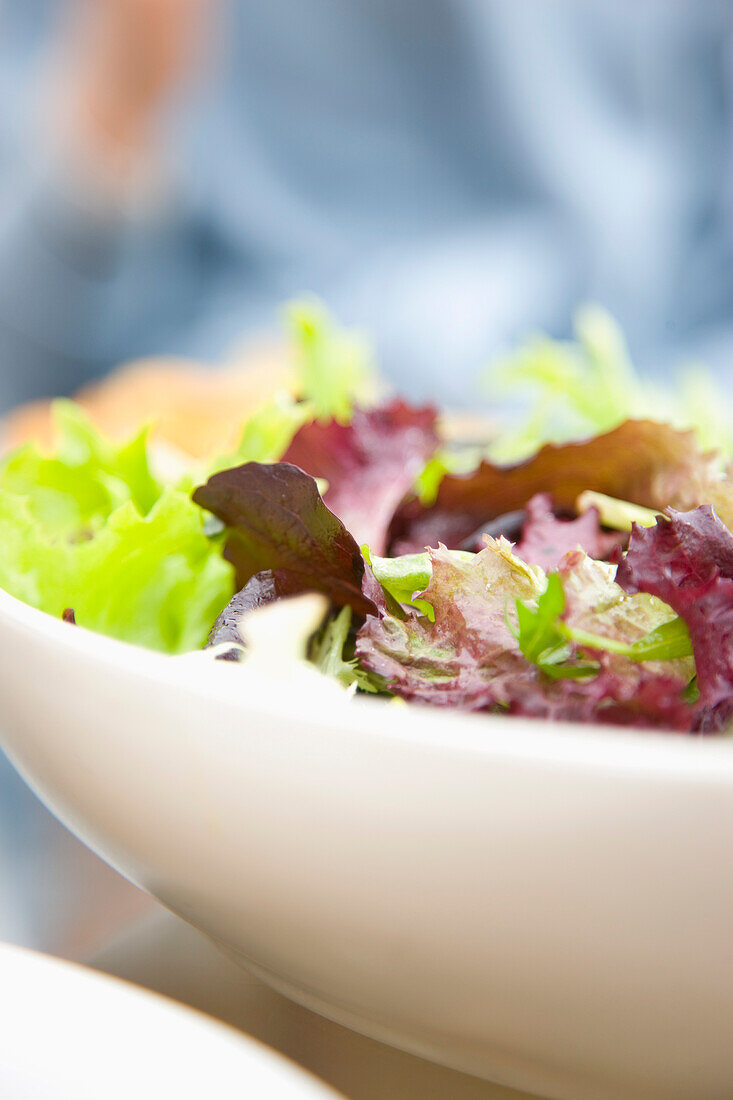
546, 906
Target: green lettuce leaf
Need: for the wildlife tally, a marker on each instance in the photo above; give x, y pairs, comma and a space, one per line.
539, 637
619, 515
588, 385
327, 654
335, 373
334, 366
90, 528
73, 492
267, 434
548, 640
404, 578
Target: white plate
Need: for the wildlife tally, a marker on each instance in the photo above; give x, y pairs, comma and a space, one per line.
71, 1034
549, 907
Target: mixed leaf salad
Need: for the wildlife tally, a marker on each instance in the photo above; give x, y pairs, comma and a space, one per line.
578, 568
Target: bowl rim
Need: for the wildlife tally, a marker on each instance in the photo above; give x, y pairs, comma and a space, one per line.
552, 743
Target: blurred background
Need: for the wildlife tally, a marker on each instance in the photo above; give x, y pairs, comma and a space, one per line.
448, 175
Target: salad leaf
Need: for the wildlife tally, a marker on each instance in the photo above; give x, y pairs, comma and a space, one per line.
277, 522
638, 646
460, 460
667, 642
499, 640
578, 388
261, 589
647, 700
277, 639
640, 461
90, 529
267, 434
539, 637
597, 603
334, 366
334, 371
703, 405
72, 492
155, 580
615, 690
404, 576
610, 693
601, 616
468, 656
403, 579
546, 539
620, 515
687, 561
588, 385
369, 464
327, 654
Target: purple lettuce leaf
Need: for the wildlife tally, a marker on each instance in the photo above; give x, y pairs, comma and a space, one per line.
686, 560
642, 461
640, 697
280, 532
261, 589
546, 539
369, 464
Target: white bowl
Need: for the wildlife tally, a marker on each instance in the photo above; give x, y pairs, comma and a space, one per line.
550, 907
71, 1034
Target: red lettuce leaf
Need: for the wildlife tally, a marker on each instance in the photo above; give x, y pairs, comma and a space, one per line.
546, 539
469, 656
687, 561
369, 464
641, 461
278, 525
644, 699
